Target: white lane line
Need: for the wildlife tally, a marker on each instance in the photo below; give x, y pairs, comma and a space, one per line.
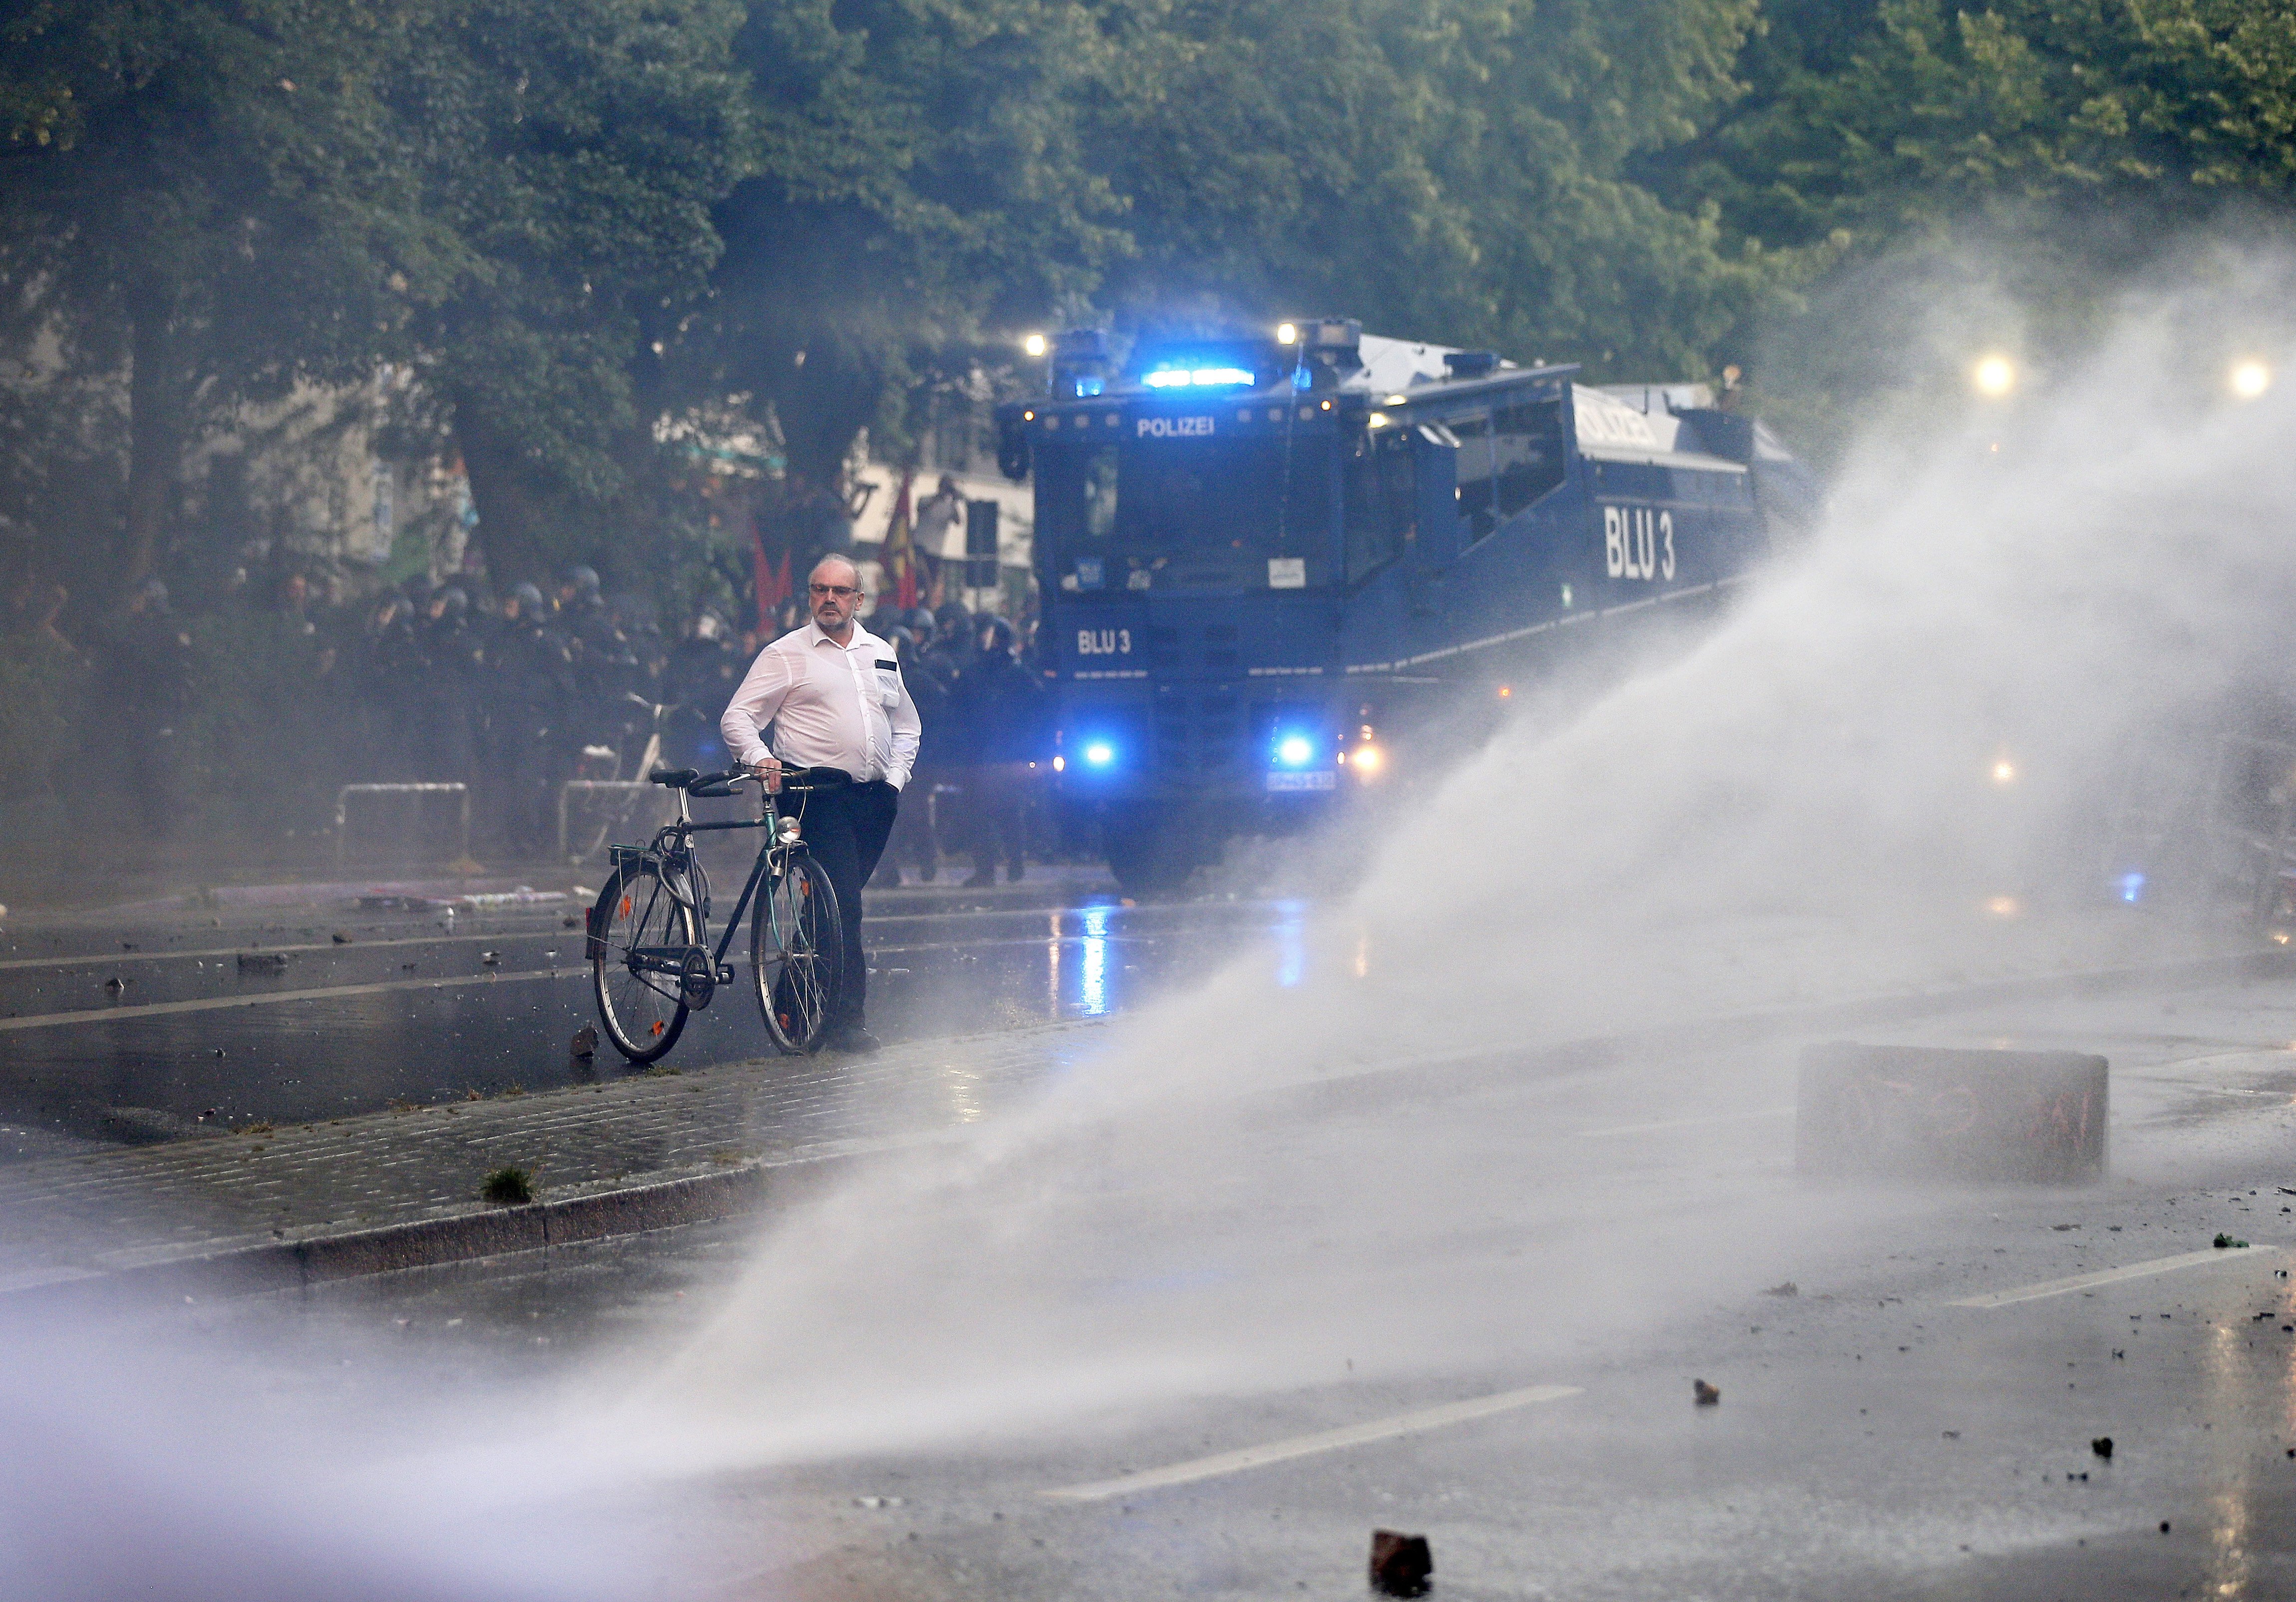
1304, 1446
876, 920
2082, 1282
208, 1003
1689, 1124
346, 948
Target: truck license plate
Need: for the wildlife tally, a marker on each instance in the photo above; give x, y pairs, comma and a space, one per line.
1301, 781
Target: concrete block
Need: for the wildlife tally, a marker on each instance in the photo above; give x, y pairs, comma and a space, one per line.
1919, 1113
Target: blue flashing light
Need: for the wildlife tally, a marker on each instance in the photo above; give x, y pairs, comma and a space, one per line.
1090, 385
2132, 885
1100, 754
1197, 378
1295, 750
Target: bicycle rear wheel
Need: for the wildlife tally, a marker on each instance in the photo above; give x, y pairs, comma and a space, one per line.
796, 943
642, 1012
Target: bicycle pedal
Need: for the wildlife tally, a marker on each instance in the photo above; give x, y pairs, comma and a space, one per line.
725, 974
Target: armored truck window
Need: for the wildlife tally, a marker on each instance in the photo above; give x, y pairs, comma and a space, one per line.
1526, 452
1476, 506
1150, 498
1100, 493
1382, 492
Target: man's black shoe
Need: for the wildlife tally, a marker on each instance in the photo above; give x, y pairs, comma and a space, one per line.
857, 1040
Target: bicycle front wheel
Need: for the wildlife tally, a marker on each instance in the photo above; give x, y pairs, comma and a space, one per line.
796, 943
643, 1012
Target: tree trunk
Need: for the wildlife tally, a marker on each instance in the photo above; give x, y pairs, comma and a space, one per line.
155, 427
510, 517
824, 403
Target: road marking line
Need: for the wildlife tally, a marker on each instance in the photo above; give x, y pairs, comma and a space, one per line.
206, 1003
347, 948
876, 920
2082, 1282
1304, 1446
1687, 1123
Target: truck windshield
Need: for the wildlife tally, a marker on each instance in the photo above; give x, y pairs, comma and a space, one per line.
1182, 506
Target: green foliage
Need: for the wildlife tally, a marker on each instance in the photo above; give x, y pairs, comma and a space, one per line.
576, 149
574, 219
2017, 166
1456, 173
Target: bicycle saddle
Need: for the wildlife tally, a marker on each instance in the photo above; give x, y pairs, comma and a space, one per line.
674, 778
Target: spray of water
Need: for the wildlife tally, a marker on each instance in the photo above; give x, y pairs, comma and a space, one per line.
1883, 772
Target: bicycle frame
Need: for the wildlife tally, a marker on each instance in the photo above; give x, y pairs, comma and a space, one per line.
672, 847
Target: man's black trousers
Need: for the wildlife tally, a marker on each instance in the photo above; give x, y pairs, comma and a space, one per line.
847, 829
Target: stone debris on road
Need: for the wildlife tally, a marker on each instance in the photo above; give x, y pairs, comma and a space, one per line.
1705, 1395
1401, 1565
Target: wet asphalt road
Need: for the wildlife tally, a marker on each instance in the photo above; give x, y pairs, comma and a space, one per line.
109, 1028
1874, 1439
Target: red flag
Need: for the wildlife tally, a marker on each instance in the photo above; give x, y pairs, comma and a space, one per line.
900, 549
768, 585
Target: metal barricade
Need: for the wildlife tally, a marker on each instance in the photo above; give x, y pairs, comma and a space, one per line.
634, 789
342, 810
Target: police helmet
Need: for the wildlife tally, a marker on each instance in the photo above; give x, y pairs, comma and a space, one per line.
527, 599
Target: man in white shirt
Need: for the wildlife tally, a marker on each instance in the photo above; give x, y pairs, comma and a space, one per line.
832, 696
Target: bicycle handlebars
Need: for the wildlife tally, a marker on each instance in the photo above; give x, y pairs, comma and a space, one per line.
717, 785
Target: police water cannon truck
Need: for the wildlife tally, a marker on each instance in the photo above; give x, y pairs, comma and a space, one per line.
1259, 555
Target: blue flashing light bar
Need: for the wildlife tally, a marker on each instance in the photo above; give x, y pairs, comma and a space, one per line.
1100, 754
1198, 378
1295, 750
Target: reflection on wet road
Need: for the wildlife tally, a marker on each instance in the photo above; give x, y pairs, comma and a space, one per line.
328, 1012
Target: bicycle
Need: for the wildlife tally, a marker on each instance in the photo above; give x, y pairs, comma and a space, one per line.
648, 938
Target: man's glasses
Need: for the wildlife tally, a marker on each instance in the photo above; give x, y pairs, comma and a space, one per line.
843, 592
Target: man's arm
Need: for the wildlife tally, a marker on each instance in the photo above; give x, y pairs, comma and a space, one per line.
755, 704
907, 729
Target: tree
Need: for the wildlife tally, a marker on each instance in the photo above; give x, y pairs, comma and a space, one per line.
571, 150
1458, 172
210, 193
920, 185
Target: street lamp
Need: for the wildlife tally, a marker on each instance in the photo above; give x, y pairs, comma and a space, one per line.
1034, 344
2250, 379
1287, 333
1994, 376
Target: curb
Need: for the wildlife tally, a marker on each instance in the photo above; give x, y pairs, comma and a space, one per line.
702, 1198
430, 1243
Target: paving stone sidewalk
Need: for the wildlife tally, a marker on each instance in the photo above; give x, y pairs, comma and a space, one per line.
134, 1207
